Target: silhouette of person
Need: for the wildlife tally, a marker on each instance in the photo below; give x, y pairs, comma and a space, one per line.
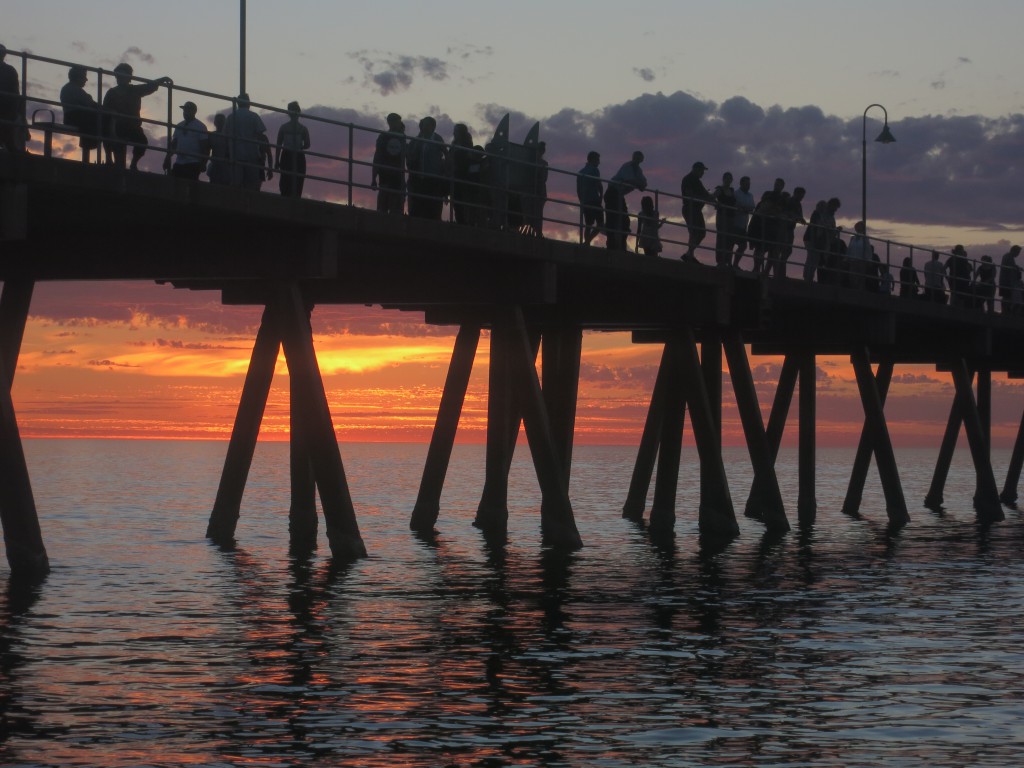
648, 222
123, 107
427, 159
388, 175
934, 280
725, 220
589, 191
909, 282
831, 245
12, 106
81, 111
960, 273
985, 285
745, 205
190, 143
792, 214
248, 146
771, 209
290, 154
466, 166
536, 195
858, 256
695, 195
815, 236
629, 177
219, 169
1009, 280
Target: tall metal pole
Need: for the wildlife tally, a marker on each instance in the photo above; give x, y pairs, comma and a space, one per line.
885, 137
241, 46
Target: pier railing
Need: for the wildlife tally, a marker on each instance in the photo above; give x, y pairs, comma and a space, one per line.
345, 177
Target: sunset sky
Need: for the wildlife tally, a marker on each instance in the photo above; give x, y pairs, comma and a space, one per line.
761, 89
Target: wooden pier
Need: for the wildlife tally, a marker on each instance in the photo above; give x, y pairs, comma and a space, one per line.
536, 297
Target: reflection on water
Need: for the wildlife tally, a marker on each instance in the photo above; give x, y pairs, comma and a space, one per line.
841, 645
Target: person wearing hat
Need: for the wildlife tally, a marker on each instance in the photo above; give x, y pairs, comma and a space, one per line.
190, 142
695, 196
388, 175
123, 106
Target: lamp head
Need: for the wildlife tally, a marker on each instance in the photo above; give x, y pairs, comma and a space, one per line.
885, 137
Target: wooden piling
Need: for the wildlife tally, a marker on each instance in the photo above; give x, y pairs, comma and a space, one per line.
773, 513
885, 458
251, 405
935, 496
1009, 494
711, 367
492, 512
643, 469
865, 447
807, 505
562, 347
428, 500
776, 425
663, 507
297, 339
302, 522
987, 505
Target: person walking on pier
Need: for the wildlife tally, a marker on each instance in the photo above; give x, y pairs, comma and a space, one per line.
219, 169
725, 220
745, 204
695, 196
466, 165
985, 285
250, 150
191, 143
934, 280
959, 278
123, 106
290, 154
589, 190
909, 281
427, 160
388, 176
648, 222
12, 106
81, 111
629, 177
792, 214
1009, 281
858, 256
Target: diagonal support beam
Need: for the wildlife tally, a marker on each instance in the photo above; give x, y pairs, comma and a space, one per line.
862, 459
776, 425
643, 469
663, 507
428, 500
987, 504
772, 512
895, 503
1009, 494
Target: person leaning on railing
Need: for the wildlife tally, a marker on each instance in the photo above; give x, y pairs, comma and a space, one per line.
123, 106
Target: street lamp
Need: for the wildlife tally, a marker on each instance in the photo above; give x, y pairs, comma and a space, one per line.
241, 46
885, 137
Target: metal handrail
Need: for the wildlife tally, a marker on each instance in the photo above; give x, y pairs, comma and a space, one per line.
561, 198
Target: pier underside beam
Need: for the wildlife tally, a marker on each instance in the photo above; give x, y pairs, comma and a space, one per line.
23, 538
717, 517
885, 458
1009, 494
772, 511
776, 425
807, 505
428, 500
865, 447
251, 405
987, 504
643, 469
297, 339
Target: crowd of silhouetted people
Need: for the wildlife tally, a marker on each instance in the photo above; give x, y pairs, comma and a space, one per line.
504, 186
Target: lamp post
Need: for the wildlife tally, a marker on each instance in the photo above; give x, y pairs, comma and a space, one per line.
241, 46
885, 137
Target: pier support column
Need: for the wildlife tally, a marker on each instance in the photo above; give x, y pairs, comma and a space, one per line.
807, 505
23, 538
428, 500
492, 512
663, 507
862, 459
711, 367
717, 518
987, 504
1009, 494
251, 405
935, 497
643, 469
558, 526
561, 348
776, 425
773, 513
895, 503
302, 522
318, 429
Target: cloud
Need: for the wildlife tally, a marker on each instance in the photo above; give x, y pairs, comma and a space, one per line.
134, 53
389, 73
646, 74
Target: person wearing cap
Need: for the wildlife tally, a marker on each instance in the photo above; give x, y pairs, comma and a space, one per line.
190, 143
123, 106
12, 107
388, 175
81, 111
695, 197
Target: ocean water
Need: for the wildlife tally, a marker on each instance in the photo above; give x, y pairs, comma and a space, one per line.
844, 645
